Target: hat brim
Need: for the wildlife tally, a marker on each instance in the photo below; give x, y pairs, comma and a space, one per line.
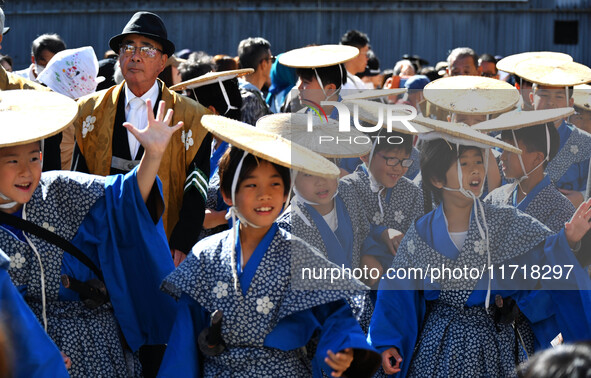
518, 120
210, 78
374, 93
30, 116
553, 72
508, 63
324, 138
318, 56
369, 111
269, 146
168, 47
5, 30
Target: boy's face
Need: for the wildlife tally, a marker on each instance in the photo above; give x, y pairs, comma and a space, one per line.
310, 90
510, 161
316, 189
382, 166
260, 196
549, 98
20, 172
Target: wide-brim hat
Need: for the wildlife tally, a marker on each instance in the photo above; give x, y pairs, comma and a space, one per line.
30, 116
369, 111
461, 134
149, 25
210, 78
553, 72
508, 63
476, 95
518, 120
324, 138
582, 97
318, 56
374, 94
269, 146
5, 30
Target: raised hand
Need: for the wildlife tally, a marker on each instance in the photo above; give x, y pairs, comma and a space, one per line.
579, 224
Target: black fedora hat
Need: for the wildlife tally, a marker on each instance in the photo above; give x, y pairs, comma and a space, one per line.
146, 24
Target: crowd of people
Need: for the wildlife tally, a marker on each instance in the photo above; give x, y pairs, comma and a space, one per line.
174, 213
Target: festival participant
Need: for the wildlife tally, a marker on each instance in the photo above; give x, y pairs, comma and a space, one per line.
252, 274
88, 253
429, 325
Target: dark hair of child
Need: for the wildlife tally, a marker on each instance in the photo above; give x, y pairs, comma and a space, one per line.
229, 163
328, 75
390, 141
534, 139
437, 157
212, 95
564, 361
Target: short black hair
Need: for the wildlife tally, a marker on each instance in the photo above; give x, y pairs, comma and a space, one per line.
534, 139
192, 69
569, 360
384, 136
50, 42
211, 95
437, 157
355, 38
251, 51
462, 52
229, 163
328, 75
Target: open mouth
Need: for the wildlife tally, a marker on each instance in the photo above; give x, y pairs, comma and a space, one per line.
322, 194
23, 187
475, 184
264, 210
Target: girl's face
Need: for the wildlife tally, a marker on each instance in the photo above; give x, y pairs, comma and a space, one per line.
20, 172
316, 189
261, 195
473, 173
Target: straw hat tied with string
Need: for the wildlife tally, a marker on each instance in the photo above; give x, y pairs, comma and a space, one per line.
553, 72
463, 135
508, 63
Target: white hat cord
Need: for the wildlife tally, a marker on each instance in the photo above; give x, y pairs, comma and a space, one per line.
326, 97
478, 210
374, 185
220, 81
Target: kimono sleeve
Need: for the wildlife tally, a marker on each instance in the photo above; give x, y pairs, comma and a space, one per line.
182, 357
35, 355
133, 255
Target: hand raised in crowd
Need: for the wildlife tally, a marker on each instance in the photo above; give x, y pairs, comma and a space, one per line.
392, 239
579, 224
340, 361
387, 357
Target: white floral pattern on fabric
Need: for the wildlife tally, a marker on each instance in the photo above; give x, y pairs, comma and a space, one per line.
221, 289
88, 125
398, 216
49, 228
574, 149
17, 260
264, 305
480, 246
411, 247
187, 139
566, 156
377, 218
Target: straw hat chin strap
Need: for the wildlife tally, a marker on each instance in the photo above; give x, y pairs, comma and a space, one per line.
326, 97
478, 210
525, 173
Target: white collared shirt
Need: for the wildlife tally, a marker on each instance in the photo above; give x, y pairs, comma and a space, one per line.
139, 117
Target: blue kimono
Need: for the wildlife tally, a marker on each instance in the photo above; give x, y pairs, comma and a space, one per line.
270, 313
441, 327
341, 247
108, 220
570, 166
401, 205
34, 354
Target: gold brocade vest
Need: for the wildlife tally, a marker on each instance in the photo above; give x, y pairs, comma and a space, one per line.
9, 81
94, 136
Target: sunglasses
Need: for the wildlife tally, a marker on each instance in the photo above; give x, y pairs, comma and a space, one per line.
144, 51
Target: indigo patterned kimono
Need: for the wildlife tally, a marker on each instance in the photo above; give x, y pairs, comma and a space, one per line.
341, 247
34, 354
401, 205
442, 328
570, 166
270, 313
108, 220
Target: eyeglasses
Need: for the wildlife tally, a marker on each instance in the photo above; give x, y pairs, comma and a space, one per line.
145, 51
392, 161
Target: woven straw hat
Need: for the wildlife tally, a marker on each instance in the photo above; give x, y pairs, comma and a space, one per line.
582, 96
318, 56
476, 95
518, 120
269, 146
553, 72
508, 63
460, 133
29, 116
210, 78
374, 93
324, 139
369, 112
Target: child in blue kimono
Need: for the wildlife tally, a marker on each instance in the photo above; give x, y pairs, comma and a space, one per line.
251, 273
426, 325
114, 221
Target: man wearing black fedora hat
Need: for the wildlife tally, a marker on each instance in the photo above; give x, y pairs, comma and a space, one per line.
104, 146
